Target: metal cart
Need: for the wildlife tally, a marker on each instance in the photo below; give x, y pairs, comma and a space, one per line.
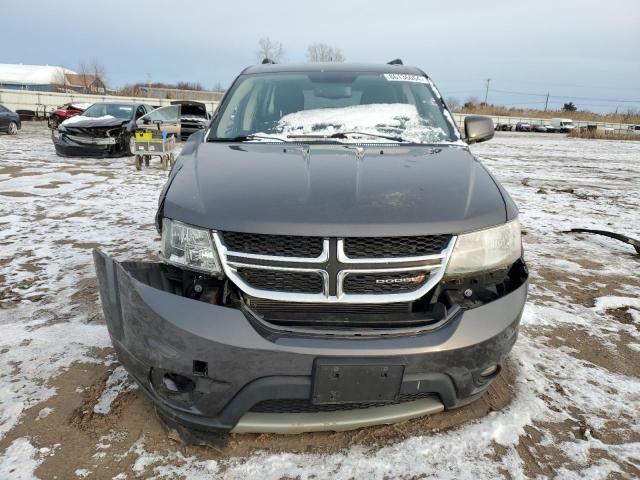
154, 144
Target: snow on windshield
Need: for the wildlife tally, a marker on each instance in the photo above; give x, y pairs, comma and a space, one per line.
394, 119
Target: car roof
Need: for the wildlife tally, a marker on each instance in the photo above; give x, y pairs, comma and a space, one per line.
331, 67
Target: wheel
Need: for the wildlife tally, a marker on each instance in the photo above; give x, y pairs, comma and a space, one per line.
132, 145
138, 162
13, 128
147, 158
172, 159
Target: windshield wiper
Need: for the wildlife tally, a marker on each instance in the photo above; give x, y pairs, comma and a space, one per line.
343, 135
244, 138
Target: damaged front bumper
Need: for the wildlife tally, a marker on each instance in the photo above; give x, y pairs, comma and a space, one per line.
68, 145
210, 368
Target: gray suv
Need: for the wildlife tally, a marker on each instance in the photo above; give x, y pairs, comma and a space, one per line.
333, 257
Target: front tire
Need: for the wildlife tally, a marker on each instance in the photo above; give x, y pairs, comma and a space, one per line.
13, 128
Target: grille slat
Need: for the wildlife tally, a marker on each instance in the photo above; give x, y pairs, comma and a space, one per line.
276, 245
273, 308
394, 247
303, 405
384, 283
282, 281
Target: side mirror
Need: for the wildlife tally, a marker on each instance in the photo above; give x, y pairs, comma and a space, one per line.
478, 129
146, 121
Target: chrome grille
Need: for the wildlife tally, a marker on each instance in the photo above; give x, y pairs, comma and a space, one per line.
282, 280
394, 247
276, 245
319, 270
381, 283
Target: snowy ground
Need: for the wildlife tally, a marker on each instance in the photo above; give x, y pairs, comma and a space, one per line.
68, 411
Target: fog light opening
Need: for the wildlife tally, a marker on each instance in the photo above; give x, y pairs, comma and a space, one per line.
200, 368
489, 371
176, 383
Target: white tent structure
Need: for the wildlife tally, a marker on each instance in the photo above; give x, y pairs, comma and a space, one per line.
31, 77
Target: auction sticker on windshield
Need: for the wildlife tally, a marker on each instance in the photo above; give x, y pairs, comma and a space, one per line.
405, 77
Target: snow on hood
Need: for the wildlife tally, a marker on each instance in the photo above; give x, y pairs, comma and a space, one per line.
104, 121
381, 119
81, 106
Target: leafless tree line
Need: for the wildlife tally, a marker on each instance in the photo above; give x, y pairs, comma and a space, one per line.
316, 52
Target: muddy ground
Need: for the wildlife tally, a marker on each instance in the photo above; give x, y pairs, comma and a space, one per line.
568, 395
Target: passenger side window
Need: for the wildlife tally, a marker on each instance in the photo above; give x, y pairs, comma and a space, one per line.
140, 112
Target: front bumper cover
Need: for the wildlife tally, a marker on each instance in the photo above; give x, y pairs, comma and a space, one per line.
75, 146
156, 332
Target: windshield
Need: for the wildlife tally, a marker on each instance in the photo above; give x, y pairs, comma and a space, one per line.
116, 110
367, 107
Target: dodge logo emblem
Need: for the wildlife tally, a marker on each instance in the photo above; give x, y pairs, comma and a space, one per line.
416, 279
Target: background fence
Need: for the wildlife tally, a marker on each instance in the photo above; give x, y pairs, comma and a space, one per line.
500, 120
42, 103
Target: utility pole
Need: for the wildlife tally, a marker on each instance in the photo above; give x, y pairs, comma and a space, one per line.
486, 92
546, 102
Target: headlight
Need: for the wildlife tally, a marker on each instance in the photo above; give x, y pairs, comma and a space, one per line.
189, 247
56, 133
486, 250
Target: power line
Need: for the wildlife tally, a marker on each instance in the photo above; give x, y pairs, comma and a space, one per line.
565, 97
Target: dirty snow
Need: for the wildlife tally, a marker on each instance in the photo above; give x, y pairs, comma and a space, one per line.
44, 413
53, 211
20, 460
117, 383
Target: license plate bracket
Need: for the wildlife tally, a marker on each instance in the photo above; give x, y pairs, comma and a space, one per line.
338, 381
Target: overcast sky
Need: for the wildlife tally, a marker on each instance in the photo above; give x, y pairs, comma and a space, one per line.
585, 50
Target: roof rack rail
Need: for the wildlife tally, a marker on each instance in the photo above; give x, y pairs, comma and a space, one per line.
267, 60
395, 61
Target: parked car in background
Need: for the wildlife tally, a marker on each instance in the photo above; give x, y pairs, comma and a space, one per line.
9, 121
67, 110
523, 127
633, 129
193, 117
504, 127
315, 276
563, 125
543, 128
103, 130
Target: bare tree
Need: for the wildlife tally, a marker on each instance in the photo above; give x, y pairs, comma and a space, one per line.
83, 70
321, 52
270, 49
99, 71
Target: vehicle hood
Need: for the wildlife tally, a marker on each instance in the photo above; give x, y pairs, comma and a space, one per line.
80, 121
332, 190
